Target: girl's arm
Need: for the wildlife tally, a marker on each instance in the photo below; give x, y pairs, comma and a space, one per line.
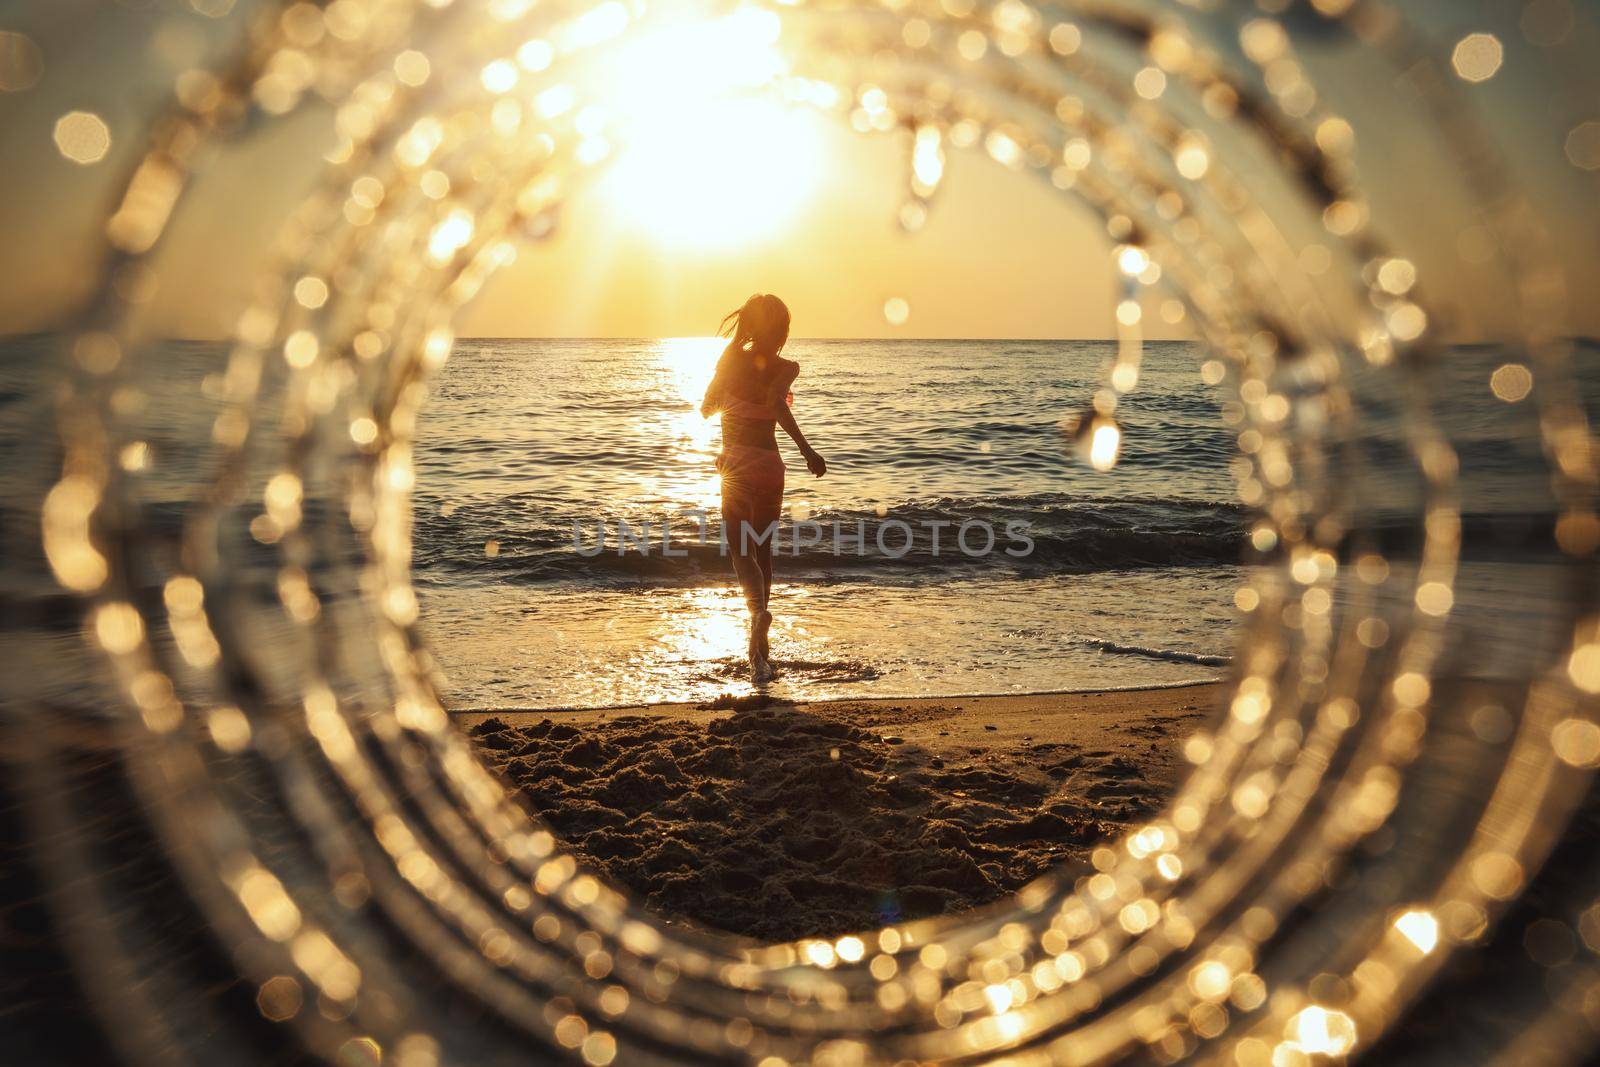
712, 402
814, 461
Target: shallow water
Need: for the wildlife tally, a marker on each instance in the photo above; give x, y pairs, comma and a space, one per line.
978, 635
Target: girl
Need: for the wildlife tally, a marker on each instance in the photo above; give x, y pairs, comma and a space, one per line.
751, 390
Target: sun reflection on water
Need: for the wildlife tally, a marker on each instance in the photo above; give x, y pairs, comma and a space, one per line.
705, 624
689, 363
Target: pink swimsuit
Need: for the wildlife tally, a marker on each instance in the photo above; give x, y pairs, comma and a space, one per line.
752, 477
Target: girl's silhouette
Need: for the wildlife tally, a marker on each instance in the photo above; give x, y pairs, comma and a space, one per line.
751, 390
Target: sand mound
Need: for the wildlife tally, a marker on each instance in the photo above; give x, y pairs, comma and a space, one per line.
779, 823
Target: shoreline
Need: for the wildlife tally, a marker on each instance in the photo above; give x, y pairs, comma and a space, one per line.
816, 818
777, 700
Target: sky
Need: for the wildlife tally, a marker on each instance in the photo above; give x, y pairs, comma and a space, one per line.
1003, 255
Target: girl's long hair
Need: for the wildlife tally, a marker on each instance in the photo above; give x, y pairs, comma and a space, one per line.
760, 327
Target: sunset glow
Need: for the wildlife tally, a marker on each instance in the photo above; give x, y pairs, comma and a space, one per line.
726, 175
708, 160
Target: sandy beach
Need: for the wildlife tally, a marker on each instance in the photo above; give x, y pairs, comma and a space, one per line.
811, 818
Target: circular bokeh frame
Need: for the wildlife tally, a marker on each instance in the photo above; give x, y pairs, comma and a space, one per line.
285, 746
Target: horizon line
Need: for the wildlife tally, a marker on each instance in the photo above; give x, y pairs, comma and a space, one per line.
1480, 342
831, 337
9, 335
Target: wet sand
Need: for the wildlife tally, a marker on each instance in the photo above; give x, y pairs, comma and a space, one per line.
804, 819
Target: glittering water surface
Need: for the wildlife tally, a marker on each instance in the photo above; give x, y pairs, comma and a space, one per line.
1100, 580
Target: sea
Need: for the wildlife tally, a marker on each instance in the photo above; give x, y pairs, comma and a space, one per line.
568, 550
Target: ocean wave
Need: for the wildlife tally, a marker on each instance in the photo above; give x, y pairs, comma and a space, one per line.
737, 668
1171, 655
1029, 535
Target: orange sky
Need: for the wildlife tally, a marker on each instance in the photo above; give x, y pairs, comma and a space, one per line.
1003, 256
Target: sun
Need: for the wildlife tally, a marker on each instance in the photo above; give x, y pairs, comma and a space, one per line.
709, 156
725, 174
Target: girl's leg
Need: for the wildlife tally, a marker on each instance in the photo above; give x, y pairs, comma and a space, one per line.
745, 565
767, 516
764, 561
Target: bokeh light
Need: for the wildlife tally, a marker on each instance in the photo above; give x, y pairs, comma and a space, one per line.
82, 137
1478, 57
1583, 145
21, 62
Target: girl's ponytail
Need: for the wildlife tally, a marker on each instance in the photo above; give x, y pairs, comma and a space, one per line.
760, 325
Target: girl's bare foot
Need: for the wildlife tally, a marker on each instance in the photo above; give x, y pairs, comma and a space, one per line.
760, 669
758, 633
